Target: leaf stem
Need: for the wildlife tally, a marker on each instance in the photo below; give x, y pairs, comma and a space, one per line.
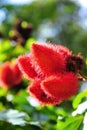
82, 77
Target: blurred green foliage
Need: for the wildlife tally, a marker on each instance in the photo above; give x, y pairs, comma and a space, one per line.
64, 16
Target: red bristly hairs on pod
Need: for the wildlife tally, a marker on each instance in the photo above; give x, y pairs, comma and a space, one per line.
52, 70
10, 75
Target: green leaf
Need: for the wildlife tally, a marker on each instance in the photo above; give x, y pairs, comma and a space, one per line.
20, 98
29, 43
5, 46
81, 108
1, 106
70, 123
3, 91
86, 62
18, 50
8, 126
3, 57
79, 98
62, 112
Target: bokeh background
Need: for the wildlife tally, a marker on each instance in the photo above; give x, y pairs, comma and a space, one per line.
61, 22
54, 21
